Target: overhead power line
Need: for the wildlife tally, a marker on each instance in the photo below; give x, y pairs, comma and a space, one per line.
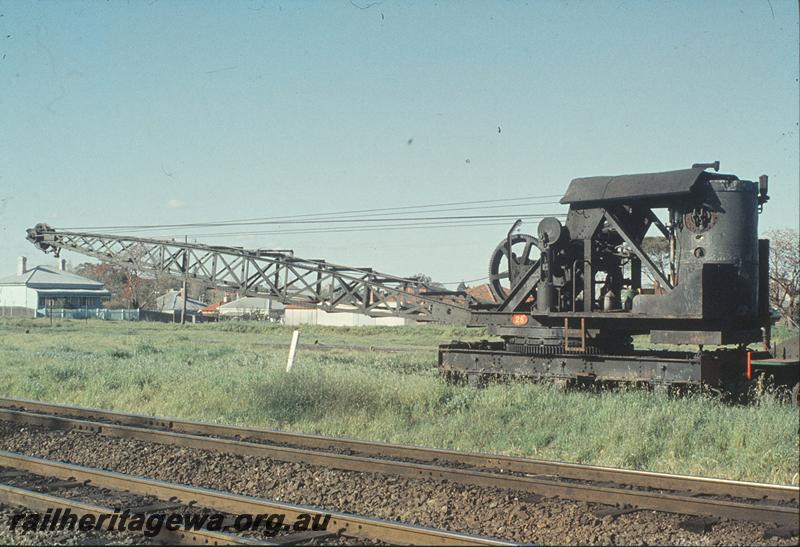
320, 217
484, 278
372, 228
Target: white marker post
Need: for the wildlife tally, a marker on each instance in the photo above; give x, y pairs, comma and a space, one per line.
292, 350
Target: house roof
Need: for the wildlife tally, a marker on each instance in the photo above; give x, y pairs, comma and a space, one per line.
211, 308
52, 280
301, 306
172, 300
482, 293
63, 293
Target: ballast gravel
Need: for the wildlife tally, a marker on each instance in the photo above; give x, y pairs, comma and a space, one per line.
16, 536
505, 514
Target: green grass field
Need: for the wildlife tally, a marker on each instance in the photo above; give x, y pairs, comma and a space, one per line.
235, 373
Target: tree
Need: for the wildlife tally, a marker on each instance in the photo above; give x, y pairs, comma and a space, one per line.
427, 281
128, 289
784, 271
657, 248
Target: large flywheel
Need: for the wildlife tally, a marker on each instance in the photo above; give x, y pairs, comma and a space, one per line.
504, 274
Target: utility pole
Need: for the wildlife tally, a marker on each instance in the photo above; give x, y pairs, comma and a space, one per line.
185, 278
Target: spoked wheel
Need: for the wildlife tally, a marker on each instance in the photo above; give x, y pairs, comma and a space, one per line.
524, 256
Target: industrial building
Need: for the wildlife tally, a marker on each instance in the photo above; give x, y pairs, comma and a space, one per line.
298, 314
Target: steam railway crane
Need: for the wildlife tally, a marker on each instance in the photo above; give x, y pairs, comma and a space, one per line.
568, 299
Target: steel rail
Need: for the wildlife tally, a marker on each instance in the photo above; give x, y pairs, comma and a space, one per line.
40, 502
226, 502
588, 492
527, 466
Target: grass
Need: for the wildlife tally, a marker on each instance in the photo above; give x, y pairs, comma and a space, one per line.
233, 373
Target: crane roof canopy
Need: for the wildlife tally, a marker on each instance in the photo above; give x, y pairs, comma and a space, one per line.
643, 185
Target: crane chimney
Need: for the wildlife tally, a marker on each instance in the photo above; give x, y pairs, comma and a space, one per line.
22, 265
62, 265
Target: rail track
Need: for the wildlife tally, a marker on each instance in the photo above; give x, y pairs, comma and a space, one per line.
622, 490
39, 484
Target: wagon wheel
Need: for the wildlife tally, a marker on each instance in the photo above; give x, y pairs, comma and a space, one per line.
501, 279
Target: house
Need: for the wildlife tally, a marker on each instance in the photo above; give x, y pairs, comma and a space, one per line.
44, 287
481, 293
211, 311
172, 301
252, 307
169, 309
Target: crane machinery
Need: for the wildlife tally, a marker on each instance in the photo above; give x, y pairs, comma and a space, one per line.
568, 299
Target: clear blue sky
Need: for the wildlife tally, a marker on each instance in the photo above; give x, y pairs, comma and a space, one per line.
153, 112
